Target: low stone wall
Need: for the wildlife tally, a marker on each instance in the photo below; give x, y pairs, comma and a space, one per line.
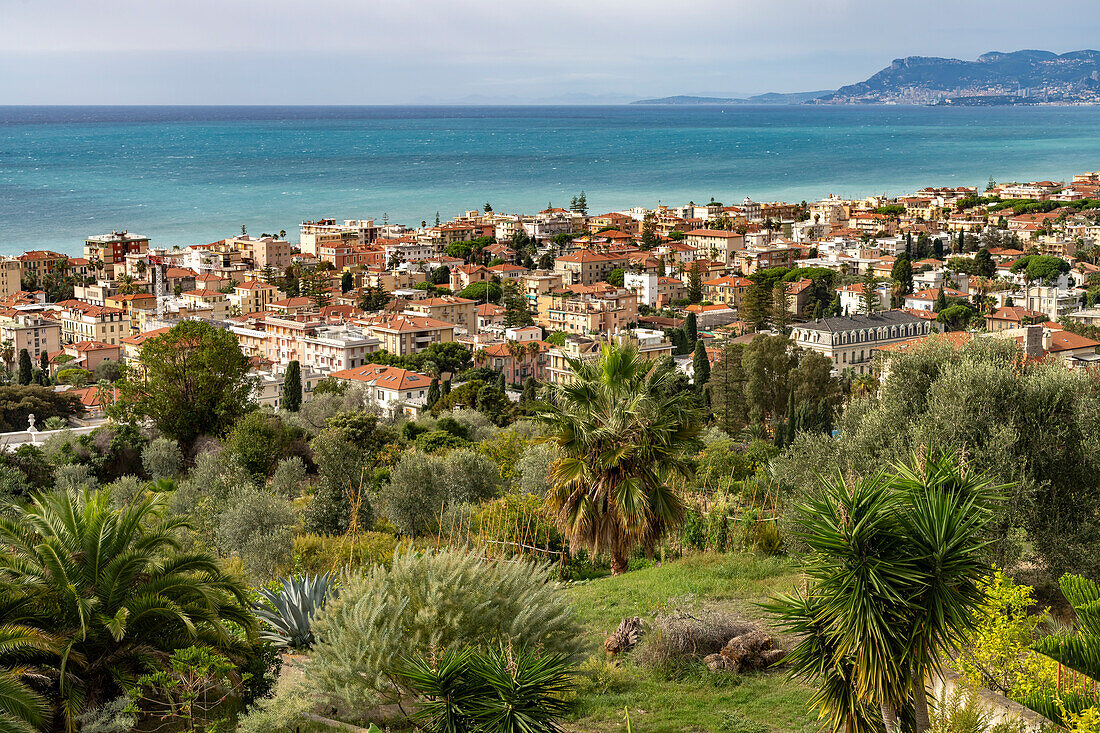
1000, 708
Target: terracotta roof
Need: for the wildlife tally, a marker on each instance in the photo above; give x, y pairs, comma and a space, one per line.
384, 377
1015, 314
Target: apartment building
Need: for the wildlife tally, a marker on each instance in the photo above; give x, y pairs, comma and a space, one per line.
516, 360
402, 334
450, 308
254, 296
325, 232
34, 265
654, 290
650, 343
331, 348
263, 252
84, 322
32, 332
111, 249
729, 290
716, 244
216, 302
603, 312
587, 267
849, 341
749, 261
11, 275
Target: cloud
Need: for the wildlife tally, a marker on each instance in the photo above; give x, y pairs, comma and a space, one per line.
363, 51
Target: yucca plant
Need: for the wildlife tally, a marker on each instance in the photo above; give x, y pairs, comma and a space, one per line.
288, 614
502, 690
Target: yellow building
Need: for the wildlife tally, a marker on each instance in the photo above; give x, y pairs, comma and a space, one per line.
83, 322
450, 308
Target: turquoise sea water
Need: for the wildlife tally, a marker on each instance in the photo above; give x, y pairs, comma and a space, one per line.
184, 175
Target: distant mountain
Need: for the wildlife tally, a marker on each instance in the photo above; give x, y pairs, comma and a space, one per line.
770, 98
1019, 77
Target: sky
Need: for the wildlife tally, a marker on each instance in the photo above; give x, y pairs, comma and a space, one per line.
490, 51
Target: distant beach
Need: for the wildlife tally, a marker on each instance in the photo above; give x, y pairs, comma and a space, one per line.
185, 175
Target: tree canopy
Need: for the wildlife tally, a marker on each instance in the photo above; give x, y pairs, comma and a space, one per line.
191, 381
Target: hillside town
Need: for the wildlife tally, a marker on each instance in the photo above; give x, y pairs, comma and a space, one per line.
525, 293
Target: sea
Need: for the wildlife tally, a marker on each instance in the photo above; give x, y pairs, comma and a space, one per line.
187, 175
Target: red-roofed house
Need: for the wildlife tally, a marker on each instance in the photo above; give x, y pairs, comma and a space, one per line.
392, 388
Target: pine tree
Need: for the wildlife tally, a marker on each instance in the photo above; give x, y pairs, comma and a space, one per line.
433, 393
437, 218
292, 387
754, 306
25, 369
727, 390
781, 305
691, 330
516, 312
695, 284
701, 365
870, 295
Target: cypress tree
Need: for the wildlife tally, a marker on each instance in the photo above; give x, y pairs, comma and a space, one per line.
691, 331
446, 390
292, 387
346, 281
25, 374
44, 362
530, 393
941, 301
433, 393
701, 365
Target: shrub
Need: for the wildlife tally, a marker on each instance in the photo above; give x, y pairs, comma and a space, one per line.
74, 477
258, 527
13, 484
315, 553
416, 493
470, 477
161, 458
344, 481
439, 441
998, 655
433, 602
533, 468
259, 440
289, 478
125, 490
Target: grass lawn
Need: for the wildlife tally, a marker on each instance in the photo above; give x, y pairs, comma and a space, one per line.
696, 700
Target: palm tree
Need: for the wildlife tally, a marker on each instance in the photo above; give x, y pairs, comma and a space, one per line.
116, 588
624, 432
127, 285
22, 709
895, 563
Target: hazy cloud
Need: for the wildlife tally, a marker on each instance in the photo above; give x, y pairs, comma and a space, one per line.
362, 52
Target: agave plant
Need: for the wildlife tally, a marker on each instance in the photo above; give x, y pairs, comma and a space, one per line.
288, 615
